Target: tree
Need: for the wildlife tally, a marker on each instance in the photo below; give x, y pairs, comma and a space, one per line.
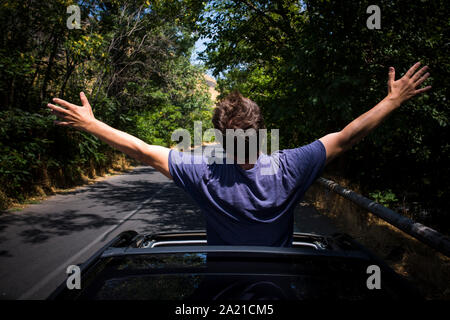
313, 66
130, 57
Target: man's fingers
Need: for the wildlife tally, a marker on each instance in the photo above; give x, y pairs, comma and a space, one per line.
391, 77
412, 70
62, 123
422, 89
64, 103
84, 100
419, 73
422, 79
57, 109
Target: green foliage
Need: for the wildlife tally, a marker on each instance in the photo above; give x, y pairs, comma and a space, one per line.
21, 148
131, 58
386, 197
313, 66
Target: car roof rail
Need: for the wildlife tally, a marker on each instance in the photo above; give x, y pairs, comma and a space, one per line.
198, 237
237, 250
153, 244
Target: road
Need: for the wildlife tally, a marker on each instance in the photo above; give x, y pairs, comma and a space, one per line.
38, 243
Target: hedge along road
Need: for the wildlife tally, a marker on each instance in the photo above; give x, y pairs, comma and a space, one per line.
38, 243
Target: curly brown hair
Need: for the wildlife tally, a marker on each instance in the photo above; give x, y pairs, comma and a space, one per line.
237, 112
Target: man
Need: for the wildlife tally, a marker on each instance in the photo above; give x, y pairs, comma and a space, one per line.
241, 205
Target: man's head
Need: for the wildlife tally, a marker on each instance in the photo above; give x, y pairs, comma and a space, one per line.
237, 112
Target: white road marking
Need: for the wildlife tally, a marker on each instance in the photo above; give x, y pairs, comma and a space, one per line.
102, 237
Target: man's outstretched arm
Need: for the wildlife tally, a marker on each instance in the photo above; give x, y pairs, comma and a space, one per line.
82, 118
398, 92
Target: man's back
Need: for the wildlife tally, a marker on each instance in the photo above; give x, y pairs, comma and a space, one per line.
249, 207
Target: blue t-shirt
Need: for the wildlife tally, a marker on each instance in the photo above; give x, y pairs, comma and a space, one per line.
249, 207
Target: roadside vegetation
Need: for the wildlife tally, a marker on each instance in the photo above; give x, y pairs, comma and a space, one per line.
314, 66
131, 58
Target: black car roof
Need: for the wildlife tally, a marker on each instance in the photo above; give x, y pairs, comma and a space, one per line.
324, 254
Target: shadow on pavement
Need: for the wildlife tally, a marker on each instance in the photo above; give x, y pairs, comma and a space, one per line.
101, 205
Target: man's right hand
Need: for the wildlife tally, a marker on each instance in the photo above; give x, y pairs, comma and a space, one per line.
78, 117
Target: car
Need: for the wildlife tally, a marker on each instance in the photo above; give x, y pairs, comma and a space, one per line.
181, 266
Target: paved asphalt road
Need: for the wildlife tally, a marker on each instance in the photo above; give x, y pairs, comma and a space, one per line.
38, 243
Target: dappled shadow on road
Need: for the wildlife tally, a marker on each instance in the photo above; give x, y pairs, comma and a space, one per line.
172, 210
5, 253
39, 228
105, 185
124, 197
157, 203
94, 206
141, 170
165, 207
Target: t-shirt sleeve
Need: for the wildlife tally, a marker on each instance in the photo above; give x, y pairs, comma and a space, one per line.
306, 163
186, 169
